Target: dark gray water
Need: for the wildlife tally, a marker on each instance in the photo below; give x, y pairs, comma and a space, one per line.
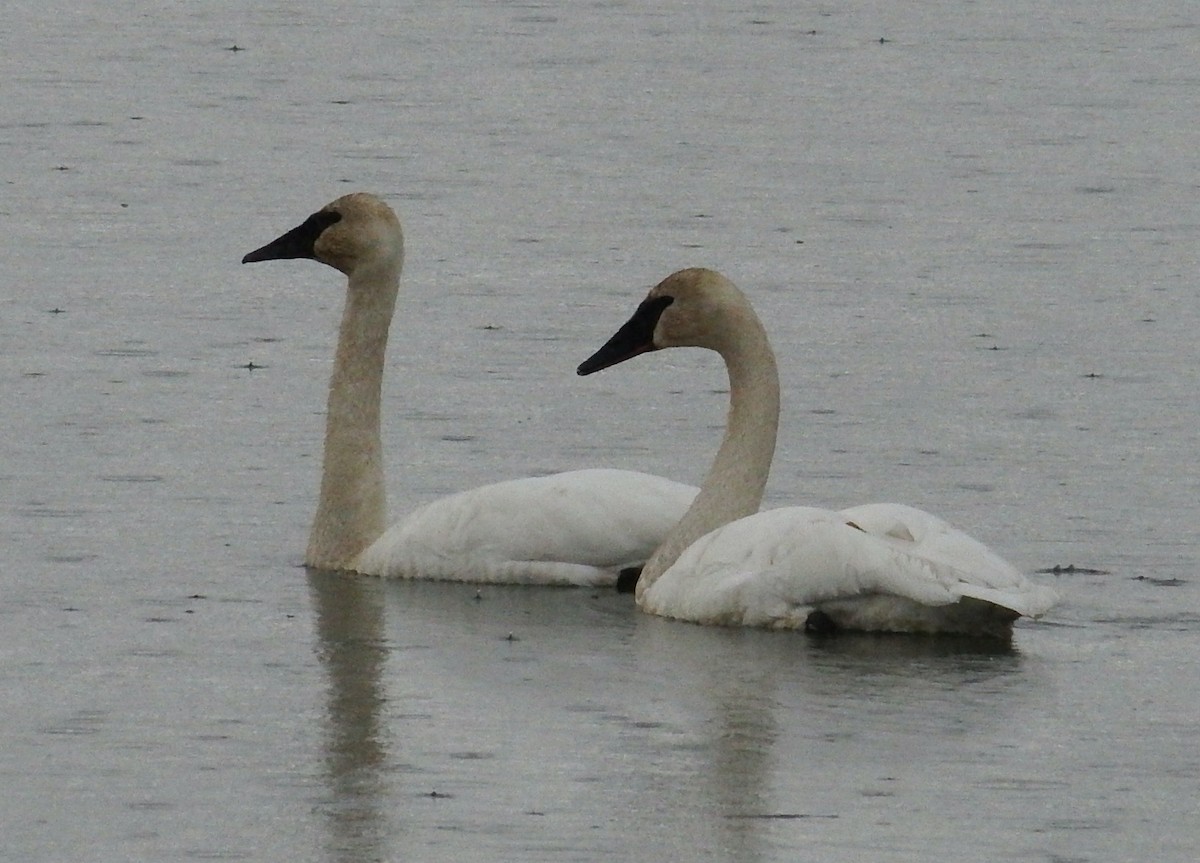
975, 244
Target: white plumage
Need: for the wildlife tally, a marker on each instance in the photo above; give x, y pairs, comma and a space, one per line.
876, 567
574, 528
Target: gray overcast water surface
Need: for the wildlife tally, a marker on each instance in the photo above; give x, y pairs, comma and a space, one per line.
973, 231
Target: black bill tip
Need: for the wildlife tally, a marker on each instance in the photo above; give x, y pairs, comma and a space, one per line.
635, 337
299, 242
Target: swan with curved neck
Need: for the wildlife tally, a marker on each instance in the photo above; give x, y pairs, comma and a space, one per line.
877, 567
578, 527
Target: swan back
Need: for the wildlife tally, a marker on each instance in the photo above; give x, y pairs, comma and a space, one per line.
878, 567
575, 528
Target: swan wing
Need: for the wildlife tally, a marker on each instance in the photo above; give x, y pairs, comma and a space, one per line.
983, 574
575, 528
775, 567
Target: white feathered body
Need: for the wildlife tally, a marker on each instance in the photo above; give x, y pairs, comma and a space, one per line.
876, 567
575, 528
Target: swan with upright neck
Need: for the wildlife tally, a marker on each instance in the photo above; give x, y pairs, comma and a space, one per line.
876, 567
575, 528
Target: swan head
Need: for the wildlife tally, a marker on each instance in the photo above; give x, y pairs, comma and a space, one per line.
689, 308
354, 231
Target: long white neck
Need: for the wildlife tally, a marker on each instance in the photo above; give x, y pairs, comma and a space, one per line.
738, 477
352, 510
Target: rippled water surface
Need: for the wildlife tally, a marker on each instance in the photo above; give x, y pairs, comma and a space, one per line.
972, 229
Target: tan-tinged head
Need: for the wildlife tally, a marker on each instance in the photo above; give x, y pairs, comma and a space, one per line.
695, 307
353, 232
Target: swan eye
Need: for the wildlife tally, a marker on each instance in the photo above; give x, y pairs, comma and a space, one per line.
322, 219
315, 225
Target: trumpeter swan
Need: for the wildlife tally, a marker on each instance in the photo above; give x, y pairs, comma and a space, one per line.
579, 527
878, 567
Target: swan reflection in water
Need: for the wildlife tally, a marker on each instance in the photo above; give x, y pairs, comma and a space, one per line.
510, 720
349, 617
